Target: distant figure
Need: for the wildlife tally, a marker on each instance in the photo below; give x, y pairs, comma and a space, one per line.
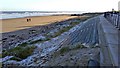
28, 19
105, 14
113, 10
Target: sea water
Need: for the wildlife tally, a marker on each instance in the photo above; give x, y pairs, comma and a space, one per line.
21, 14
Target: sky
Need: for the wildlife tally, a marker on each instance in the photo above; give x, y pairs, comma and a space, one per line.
59, 5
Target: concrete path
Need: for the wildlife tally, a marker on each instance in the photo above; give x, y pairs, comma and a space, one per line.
108, 35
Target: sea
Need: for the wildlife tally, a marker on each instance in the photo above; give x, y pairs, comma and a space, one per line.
22, 14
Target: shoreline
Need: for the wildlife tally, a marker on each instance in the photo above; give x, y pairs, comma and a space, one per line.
38, 16
20, 36
10, 25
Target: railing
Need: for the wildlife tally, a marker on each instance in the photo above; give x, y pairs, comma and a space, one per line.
114, 18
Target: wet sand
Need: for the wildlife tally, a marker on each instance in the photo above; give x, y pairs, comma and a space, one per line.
9, 25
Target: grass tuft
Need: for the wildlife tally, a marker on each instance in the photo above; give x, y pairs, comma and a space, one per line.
78, 47
68, 48
19, 52
25, 52
39, 40
23, 44
64, 49
61, 31
36, 41
74, 23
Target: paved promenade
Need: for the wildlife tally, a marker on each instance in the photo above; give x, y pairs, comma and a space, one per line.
109, 41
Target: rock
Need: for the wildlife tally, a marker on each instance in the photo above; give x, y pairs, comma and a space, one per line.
11, 63
71, 59
6, 58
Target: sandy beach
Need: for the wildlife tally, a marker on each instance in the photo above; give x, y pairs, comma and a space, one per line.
9, 25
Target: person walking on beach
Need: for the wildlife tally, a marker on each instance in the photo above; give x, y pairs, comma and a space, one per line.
28, 19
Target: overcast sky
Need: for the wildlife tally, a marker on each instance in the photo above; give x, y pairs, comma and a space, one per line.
59, 5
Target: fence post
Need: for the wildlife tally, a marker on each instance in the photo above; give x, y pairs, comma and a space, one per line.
113, 18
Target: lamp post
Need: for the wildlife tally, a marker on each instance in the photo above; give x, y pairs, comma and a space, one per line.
119, 6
